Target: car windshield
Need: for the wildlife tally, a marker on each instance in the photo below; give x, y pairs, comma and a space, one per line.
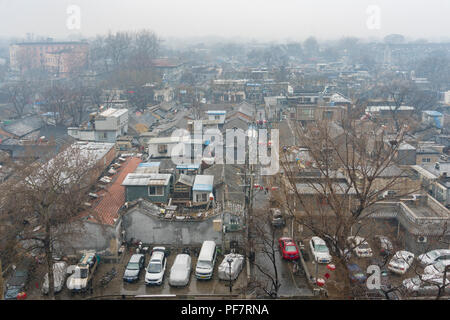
432, 254
83, 273
291, 248
321, 248
363, 245
133, 266
439, 266
154, 268
203, 264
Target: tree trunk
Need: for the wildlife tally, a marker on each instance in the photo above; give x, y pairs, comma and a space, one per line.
346, 292
49, 258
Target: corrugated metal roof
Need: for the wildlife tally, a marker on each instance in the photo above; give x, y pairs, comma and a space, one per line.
203, 183
146, 179
186, 179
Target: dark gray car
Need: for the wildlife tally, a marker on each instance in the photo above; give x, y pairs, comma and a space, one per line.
277, 218
134, 267
17, 282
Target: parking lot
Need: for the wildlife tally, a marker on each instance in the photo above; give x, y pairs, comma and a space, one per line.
117, 287
395, 280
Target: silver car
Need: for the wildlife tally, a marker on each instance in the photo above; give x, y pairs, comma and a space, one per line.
180, 273
401, 261
59, 276
437, 268
434, 256
231, 266
425, 285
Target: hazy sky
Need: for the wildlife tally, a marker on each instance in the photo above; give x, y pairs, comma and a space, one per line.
256, 19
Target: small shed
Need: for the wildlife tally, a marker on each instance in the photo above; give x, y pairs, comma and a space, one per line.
182, 190
203, 186
152, 186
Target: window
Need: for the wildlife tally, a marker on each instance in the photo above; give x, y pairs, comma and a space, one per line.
307, 112
155, 190
162, 148
426, 160
201, 197
328, 115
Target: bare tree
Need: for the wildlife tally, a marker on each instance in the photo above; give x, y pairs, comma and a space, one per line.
20, 94
350, 162
264, 240
118, 47
145, 48
398, 91
43, 200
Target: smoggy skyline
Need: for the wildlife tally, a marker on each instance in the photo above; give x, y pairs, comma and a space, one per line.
262, 20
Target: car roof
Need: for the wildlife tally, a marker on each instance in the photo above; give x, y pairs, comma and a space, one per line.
353, 266
157, 255
136, 257
318, 240
403, 253
181, 258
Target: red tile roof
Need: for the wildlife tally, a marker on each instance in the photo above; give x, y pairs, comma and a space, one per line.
106, 208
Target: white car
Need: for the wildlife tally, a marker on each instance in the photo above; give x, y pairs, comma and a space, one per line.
59, 277
400, 262
425, 284
360, 246
319, 250
156, 267
237, 263
437, 268
434, 256
180, 272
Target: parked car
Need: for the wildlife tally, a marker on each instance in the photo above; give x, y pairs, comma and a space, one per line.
356, 274
81, 279
277, 218
59, 277
401, 261
320, 250
289, 249
134, 267
434, 256
438, 268
17, 282
206, 260
180, 273
360, 246
384, 244
237, 263
156, 267
425, 285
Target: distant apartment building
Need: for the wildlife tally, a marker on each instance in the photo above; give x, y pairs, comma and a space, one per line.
228, 91
106, 126
54, 57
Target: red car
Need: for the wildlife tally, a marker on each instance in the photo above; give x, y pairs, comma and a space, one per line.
289, 249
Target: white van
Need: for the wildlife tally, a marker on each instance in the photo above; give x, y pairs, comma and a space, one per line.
206, 260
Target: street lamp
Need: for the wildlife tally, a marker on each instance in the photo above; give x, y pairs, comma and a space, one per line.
229, 260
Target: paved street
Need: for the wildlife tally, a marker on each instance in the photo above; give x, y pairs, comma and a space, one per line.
289, 287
